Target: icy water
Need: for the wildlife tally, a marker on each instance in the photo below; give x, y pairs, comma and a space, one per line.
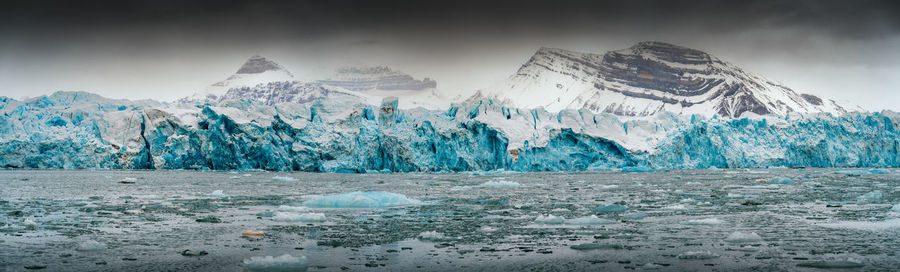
746, 219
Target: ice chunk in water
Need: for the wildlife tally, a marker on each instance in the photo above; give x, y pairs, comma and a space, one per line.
217, 193
870, 197
358, 199
896, 208
634, 216
866, 225
781, 180
286, 208
91, 246
299, 217
589, 221
501, 183
705, 221
698, 255
594, 246
280, 178
832, 264
432, 236
612, 208
281, 263
743, 237
550, 220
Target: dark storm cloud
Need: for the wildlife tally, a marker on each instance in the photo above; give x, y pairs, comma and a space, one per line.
844, 19
179, 46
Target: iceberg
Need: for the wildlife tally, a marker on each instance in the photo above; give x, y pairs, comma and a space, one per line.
357, 199
500, 183
550, 220
611, 208
299, 217
589, 221
705, 221
91, 246
742, 237
280, 178
781, 180
283, 263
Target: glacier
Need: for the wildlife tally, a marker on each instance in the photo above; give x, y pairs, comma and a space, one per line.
79, 130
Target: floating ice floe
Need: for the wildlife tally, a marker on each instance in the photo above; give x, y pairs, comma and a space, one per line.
873, 196
893, 223
234, 177
589, 221
743, 237
781, 180
634, 216
604, 187
91, 246
357, 199
612, 208
550, 220
128, 180
698, 255
595, 246
580, 221
299, 217
501, 183
280, 178
862, 172
281, 263
217, 193
675, 207
432, 236
831, 264
896, 208
286, 208
705, 221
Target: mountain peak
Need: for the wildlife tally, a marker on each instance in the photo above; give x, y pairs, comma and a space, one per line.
257, 64
647, 78
667, 52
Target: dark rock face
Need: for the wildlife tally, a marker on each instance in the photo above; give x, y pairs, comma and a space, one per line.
655, 66
812, 99
257, 64
668, 75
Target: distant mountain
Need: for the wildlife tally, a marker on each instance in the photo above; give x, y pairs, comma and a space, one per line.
645, 79
267, 82
376, 78
256, 70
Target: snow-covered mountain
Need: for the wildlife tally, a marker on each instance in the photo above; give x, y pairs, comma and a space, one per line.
377, 78
645, 79
256, 70
264, 81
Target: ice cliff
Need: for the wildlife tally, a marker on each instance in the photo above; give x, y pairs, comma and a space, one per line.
335, 134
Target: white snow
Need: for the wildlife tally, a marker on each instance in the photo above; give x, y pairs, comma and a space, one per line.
501, 183
358, 199
299, 217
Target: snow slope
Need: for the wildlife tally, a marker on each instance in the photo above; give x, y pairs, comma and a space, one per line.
645, 79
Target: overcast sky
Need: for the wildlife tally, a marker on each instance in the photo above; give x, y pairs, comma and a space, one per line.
846, 50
